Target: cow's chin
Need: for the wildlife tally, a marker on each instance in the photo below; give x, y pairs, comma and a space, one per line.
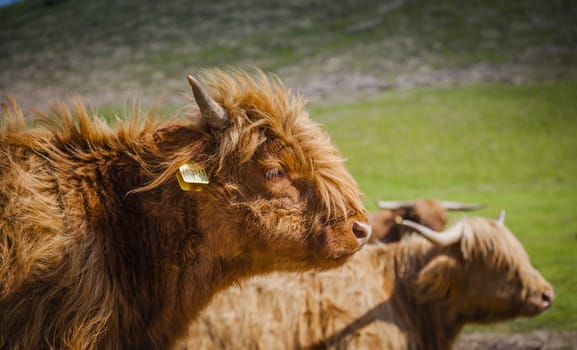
310, 262
326, 264
534, 306
317, 254
510, 309
333, 249
300, 245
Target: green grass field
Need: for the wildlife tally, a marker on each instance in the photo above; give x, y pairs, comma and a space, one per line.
511, 147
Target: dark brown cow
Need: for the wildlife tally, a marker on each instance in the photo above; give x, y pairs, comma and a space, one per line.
115, 238
411, 294
429, 212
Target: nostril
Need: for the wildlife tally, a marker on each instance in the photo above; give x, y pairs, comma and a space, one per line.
547, 298
361, 230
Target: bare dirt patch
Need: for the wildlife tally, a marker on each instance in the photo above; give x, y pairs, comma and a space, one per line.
536, 340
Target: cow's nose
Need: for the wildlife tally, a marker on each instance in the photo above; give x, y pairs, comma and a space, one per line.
362, 231
548, 297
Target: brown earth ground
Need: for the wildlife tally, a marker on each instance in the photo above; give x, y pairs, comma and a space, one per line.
535, 340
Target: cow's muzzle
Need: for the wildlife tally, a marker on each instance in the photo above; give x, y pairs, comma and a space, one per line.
362, 232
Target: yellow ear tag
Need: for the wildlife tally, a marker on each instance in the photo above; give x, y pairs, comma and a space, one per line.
191, 176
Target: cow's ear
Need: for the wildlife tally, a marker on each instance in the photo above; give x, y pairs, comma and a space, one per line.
438, 279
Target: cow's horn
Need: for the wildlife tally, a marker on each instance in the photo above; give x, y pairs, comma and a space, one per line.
445, 238
501, 219
214, 115
460, 206
395, 204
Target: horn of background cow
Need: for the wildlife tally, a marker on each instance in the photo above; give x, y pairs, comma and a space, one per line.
214, 115
395, 204
445, 238
460, 206
501, 218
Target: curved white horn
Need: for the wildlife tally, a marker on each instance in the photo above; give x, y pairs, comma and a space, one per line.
214, 115
445, 238
501, 218
460, 206
395, 204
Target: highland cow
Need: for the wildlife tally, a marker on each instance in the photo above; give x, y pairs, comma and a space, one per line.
432, 213
416, 293
117, 237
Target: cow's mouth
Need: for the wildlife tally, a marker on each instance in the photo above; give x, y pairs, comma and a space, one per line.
340, 241
539, 302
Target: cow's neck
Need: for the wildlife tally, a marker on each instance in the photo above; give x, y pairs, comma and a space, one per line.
435, 323
188, 267
160, 266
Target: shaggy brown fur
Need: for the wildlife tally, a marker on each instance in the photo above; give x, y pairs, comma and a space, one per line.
100, 248
405, 295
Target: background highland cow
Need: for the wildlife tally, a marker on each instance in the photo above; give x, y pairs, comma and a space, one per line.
429, 212
411, 294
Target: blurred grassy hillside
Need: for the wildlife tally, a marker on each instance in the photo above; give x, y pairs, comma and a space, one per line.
101, 49
459, 100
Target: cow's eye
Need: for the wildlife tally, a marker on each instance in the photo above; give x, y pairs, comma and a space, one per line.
274, 173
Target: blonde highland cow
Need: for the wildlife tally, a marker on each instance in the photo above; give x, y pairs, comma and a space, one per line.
416, 293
